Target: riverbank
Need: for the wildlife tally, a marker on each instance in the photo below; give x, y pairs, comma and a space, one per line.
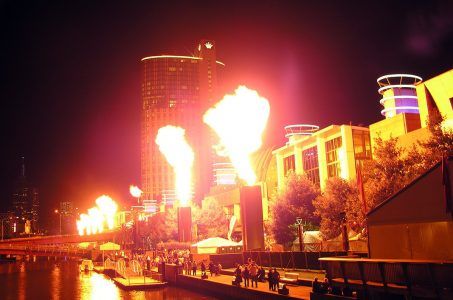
221, 286
61, 279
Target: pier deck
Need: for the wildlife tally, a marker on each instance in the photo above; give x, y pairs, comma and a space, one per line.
221, 284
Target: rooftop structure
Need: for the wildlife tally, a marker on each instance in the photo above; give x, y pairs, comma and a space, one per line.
398, 94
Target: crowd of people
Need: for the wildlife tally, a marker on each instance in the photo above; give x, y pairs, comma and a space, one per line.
190, 267
251, 273
325, 288
248, 273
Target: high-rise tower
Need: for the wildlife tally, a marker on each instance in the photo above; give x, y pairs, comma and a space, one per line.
177, 90
25, 203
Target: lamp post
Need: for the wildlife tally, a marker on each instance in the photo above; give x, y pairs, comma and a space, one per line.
300, 231
344, 232
59, 213
2, 228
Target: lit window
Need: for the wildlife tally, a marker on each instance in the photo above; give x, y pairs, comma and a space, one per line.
332, 157
289, 164
311, 164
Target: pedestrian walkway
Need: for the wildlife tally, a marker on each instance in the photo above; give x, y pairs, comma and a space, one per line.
307, 275
297, 292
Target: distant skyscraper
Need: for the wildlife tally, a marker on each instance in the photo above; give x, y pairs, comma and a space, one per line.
25, 203
177, 90
67, 215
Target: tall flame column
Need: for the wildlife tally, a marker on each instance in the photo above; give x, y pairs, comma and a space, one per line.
239, 120
180, 156
185, 224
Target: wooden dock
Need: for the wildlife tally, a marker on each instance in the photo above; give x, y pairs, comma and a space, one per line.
138, 283
132, 282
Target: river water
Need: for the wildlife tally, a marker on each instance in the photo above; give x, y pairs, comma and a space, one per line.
62, 280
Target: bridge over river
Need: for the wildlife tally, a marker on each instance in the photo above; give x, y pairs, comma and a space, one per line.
53, 245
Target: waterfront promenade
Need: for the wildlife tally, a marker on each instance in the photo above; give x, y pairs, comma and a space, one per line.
221, 285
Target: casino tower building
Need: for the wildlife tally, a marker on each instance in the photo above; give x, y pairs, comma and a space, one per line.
177, 90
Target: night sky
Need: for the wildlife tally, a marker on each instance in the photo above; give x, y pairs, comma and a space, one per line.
70, 75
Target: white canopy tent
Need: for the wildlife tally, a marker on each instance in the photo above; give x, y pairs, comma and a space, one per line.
109, 246
312, 241
210, 245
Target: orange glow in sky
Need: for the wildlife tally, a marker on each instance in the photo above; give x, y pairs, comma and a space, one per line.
239, 121
173, 145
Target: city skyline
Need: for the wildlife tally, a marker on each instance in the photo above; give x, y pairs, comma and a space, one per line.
71, 76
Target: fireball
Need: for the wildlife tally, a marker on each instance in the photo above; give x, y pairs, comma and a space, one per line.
174, 146
239, 121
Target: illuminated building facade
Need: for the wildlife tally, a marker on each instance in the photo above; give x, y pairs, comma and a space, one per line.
320, 154
68, 217
337, 150
432, 96
177, 90
436, 94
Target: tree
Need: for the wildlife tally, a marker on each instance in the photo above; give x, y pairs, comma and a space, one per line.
339, 199
440, 143
210, 220
161, 227
294, 201
393, 167
386, 173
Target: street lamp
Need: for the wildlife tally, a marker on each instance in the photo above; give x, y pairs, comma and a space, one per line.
2, 226
58, 212
300, 231
344, 232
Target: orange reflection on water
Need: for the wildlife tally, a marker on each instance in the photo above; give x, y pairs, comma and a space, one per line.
96, 286
22, 282
55, 282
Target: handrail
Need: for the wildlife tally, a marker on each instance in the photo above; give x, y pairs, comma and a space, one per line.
411, 277
385, 260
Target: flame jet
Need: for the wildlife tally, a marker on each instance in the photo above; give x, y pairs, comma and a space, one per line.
108, 208
135, 191
99, 215
239, 121
179, 154
83, 224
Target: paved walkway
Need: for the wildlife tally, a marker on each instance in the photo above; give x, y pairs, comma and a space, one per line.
301, 292
303, 274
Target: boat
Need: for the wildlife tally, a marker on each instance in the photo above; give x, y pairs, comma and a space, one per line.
86, 265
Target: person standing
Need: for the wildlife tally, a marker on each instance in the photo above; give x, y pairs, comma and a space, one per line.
276, 280
203, 270
261, 274
188, 266
211, 268
254, 274
246, 276
148, 263
270, 279
194, 268
237, 274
